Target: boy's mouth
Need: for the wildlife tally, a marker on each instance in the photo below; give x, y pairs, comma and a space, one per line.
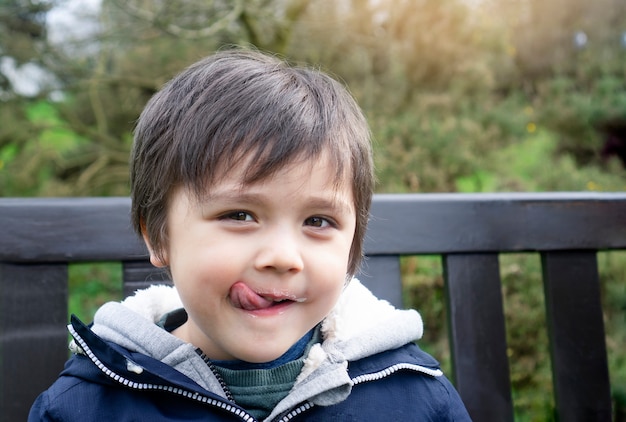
243, 297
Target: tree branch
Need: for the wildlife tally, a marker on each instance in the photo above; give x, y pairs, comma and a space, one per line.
178, 31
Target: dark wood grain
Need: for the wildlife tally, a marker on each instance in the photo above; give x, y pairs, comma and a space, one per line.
478, 336
33, 338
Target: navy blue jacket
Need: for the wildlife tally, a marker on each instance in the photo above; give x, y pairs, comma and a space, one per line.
110, 383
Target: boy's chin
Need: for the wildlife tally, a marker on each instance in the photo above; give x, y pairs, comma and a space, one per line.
266, 357
263, 353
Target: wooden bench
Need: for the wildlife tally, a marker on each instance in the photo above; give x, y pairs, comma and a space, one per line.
40, 237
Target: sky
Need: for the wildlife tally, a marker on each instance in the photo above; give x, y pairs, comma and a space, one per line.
66, 21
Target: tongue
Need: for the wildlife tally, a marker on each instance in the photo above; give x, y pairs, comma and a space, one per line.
244, 297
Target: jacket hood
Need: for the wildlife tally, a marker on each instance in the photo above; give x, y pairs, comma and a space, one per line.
358, 315
132, 325
359, 326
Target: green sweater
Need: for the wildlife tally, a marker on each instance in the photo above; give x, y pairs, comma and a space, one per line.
256, 387
259, 387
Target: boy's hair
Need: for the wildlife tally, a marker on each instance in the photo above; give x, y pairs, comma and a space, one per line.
241, 107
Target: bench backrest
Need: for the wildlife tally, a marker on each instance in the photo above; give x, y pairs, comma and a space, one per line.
40, 237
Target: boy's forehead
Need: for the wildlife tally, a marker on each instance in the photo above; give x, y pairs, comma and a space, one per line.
334, 185
250, 169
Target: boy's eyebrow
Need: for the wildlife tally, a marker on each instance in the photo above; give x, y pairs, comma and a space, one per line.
337, 204
230, 196
316, 202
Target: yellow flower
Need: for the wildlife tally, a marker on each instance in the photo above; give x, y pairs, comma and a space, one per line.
591, 185
531, 127
511, 50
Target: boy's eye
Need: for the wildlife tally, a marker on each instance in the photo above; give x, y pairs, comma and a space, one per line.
317, 222
238, 216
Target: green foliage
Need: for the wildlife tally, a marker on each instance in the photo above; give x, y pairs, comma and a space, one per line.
25, 172
55, 135
91, 285
575, 110
527, 340
612, 267
423, 290
533, 164
445, 139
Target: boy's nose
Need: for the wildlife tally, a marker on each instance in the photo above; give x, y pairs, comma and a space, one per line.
280, 252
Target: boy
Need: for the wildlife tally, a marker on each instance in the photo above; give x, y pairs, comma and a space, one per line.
251, 182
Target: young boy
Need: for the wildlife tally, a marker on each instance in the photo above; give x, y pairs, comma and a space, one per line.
251, 184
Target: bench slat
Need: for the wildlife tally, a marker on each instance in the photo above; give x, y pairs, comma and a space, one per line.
576, 330
33, 338
477, 335
67, 229
381, 274
511, 222
63, 229
141, 274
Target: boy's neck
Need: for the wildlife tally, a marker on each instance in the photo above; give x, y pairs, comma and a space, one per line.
298, 350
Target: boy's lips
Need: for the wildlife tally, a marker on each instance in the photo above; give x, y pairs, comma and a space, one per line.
243, 297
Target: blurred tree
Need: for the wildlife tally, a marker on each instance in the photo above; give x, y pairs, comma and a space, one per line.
23, 48
569, 62
561, 36
391, 52
107, 76
412, 61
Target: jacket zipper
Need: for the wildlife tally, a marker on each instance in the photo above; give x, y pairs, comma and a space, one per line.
225, 405
375, 376
295, 412
213, 369
395, 368
144, 386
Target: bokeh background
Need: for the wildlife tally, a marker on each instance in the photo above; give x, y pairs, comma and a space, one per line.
461, 96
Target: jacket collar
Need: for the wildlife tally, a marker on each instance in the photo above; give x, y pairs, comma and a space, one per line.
357, 316
361, 329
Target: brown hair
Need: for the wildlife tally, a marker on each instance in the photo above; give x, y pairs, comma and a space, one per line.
235, 103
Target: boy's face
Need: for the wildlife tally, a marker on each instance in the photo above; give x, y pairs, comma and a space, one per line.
258, 266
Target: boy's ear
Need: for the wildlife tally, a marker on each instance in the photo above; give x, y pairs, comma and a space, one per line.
158, 260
